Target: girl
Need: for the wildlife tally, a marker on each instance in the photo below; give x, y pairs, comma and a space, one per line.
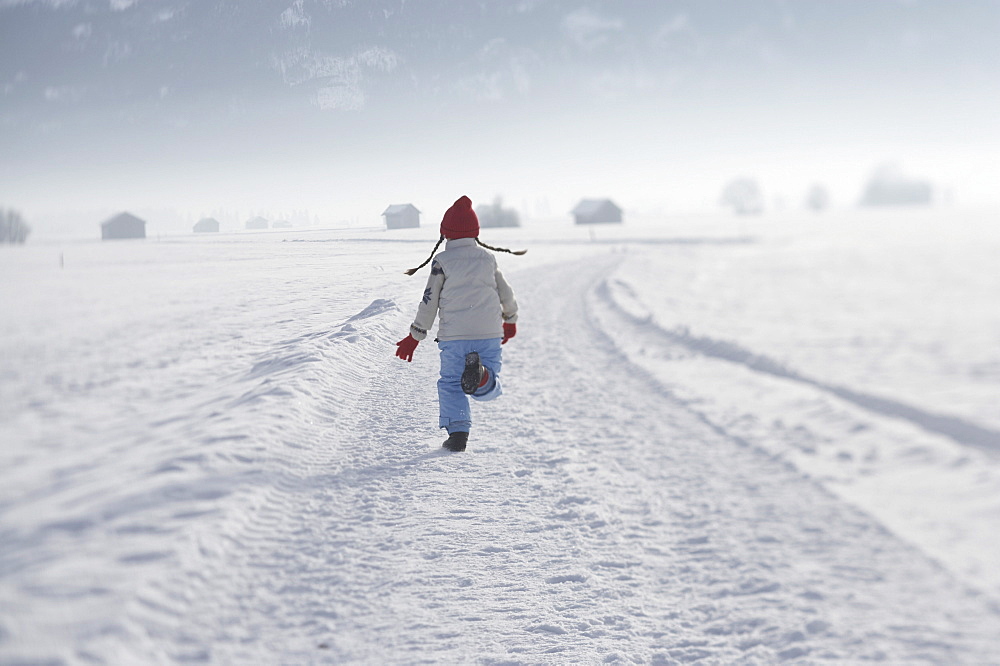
478, 314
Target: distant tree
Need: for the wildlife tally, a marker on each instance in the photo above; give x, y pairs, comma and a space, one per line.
13, 228
888, 186
496, 215
744, 196
818, 198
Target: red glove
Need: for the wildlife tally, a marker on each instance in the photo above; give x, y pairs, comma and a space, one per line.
405, 347
509, 331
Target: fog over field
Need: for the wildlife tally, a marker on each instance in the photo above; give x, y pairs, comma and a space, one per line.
341, 108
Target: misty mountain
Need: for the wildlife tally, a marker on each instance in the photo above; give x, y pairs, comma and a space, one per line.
207, 99
131, 58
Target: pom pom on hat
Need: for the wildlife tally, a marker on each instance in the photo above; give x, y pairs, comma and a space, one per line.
460, 221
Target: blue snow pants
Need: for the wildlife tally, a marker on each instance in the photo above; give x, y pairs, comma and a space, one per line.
455, 413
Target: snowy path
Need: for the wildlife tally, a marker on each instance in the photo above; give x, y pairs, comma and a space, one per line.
629, 533
594, 519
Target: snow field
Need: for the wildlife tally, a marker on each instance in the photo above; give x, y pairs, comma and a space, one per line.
249, 476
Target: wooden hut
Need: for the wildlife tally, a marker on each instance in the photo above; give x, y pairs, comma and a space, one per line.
123, 225
597, 211
206, 225
257, 223
401, 216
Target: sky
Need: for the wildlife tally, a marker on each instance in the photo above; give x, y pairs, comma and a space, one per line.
340, 108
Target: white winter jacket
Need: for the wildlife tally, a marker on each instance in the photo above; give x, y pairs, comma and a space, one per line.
470, 292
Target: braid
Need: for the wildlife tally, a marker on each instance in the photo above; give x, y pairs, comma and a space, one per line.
436, 246
478, 242
499, 249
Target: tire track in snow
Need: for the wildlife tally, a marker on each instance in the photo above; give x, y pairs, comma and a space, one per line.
959, 430
928, 489
292, 397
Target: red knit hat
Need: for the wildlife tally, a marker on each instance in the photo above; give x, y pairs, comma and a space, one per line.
460, 220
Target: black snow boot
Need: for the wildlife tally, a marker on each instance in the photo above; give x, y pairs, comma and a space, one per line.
473, 374
456, 441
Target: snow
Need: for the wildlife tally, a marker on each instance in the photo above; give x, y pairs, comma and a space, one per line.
721, 441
